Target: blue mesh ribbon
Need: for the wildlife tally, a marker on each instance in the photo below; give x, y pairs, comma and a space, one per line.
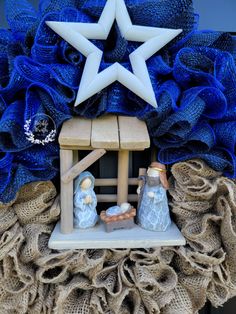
193, 77
12, 136
5, 170
220, 159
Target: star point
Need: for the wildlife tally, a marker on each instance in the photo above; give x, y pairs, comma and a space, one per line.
92, 81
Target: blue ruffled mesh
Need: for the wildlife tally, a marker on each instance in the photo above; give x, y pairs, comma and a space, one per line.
12, 136
5, 171
33, 164
193, 77
220, 159
207, 38
20, 17
225, 134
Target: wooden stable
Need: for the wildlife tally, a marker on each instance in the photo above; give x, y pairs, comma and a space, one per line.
108, 133
99, 136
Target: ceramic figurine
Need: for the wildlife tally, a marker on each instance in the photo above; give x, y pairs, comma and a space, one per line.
118, 217
85, 201
153, 210
118, 210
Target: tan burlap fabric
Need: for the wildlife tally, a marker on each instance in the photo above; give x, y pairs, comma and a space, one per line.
205, 210
168, 280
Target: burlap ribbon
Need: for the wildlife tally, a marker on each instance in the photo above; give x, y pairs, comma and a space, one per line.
168, 280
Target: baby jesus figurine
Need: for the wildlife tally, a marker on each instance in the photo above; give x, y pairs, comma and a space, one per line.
85, 201
153, 209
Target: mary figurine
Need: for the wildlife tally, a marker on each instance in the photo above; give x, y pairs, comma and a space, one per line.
85, 201
153, 209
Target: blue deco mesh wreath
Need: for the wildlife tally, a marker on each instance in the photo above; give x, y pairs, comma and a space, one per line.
194, 79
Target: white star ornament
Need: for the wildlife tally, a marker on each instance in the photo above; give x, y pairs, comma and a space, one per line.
92, 82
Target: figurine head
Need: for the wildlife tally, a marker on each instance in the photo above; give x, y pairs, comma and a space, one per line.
125, 207
158, 170
86, 184
152, 172
84, 181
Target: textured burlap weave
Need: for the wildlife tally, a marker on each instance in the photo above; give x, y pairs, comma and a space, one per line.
168, 280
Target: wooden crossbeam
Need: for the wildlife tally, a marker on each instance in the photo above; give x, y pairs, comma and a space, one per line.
112, 198
114, 182
82, 165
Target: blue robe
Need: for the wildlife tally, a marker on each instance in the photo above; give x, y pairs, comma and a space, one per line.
85, 215
153, 213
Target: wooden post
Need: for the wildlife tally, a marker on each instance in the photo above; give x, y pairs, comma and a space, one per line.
66, 162
123, 173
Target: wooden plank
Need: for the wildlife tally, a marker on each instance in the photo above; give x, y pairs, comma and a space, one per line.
75, 132
133, 133
86, 162
114, 182
66, 162
123, 174
97, 238
105, 132
92, 148
112, 198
